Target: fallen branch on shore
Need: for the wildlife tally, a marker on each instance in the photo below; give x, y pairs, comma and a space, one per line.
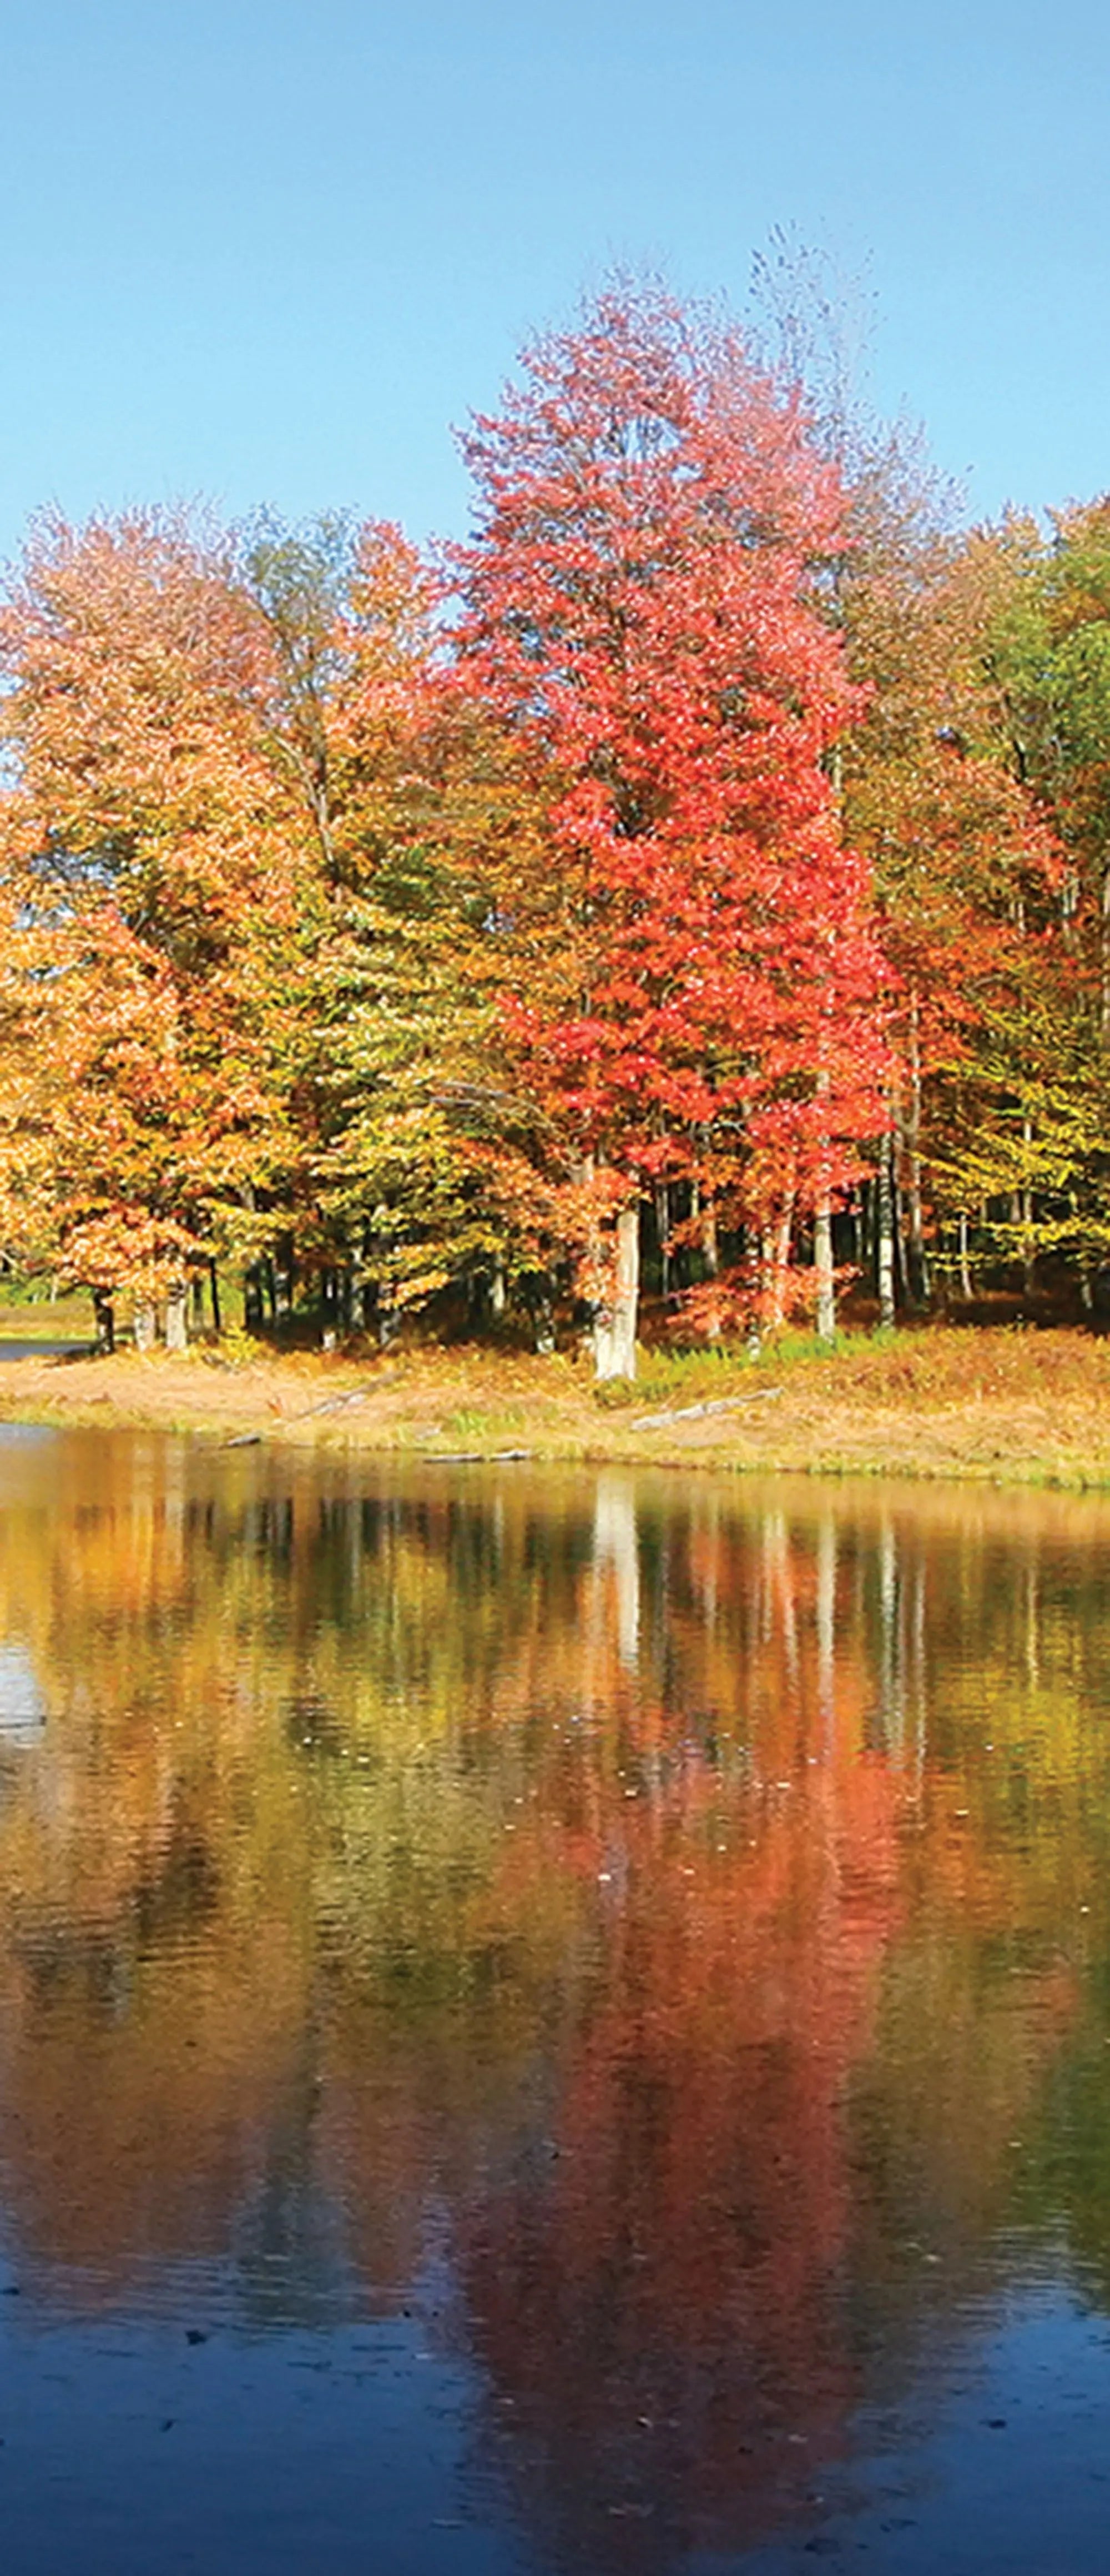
692, 1412
330, 1404
472, 1457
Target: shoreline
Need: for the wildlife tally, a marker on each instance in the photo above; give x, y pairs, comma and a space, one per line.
982, 1405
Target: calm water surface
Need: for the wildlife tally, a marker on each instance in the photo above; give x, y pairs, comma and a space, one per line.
548, 2022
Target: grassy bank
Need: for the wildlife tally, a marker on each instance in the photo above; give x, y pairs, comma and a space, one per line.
996, 1406
37, 1319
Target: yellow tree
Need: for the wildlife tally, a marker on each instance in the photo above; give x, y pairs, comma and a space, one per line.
151, 858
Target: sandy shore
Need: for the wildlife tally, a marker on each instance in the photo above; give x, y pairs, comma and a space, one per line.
995, 1406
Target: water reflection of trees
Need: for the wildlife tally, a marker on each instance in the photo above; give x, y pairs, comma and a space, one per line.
675, 1892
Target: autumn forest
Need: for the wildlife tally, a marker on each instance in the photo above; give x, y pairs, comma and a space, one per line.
693, 885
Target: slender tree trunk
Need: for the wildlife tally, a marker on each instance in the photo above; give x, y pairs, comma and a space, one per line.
1028, 1249
214, 1287
823, 1240
145, 1327
775, 1263
105, 1315
901, 1265
543, 1324
965, 1265
497, 1291
884, 1227
663, 1230
919, 1266
614, 1329
826, 1276
705, 1219
177, 1318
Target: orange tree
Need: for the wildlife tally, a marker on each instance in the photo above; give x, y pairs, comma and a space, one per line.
151, 866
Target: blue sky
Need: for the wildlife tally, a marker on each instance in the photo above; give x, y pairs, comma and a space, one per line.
270, 250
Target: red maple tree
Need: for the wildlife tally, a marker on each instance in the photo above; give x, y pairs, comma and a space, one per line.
641, 610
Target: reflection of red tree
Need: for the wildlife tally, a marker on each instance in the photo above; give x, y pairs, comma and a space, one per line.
663, 2297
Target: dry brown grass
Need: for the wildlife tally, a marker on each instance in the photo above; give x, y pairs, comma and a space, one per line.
999, 1406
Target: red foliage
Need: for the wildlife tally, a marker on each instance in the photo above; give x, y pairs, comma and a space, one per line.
641, 611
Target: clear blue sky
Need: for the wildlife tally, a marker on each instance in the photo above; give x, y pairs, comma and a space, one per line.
270, 250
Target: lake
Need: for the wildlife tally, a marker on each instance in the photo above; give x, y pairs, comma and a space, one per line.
548, 2020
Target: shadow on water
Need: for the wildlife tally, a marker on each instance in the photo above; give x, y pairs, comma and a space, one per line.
548, 2021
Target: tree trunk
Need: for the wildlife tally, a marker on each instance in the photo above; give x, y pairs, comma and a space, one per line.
775, 1246
965, 1265
177, 1318
918, 1262
214, 1285
884, 1228
706, 1219
823, 1235
663, 1230
1028, 1247
823, 1265
901, 1264
105, 1315
145, 1327
614, 1326
497, 1292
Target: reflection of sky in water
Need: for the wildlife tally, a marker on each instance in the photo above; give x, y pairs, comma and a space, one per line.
548, 2022
22, 1707
1008, 2469
128, 2451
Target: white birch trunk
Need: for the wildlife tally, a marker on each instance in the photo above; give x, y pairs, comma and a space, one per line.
885, 1229
145, 1328
965, 1265
776, 1262
614, 1326
177, 1329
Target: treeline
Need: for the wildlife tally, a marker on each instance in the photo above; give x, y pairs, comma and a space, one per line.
705, 865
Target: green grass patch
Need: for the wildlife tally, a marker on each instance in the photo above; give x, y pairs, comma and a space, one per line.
34, 1319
